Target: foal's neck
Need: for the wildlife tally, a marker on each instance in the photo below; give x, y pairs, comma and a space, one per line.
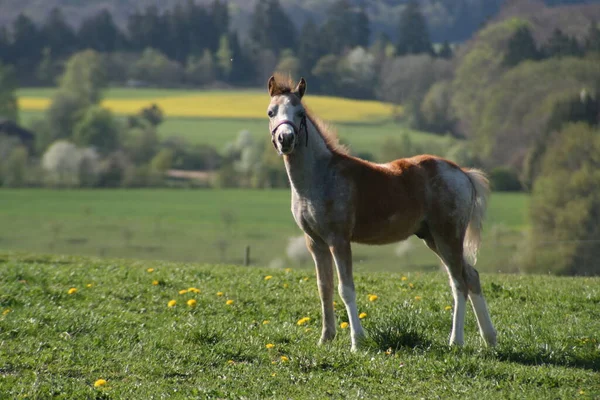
306, 166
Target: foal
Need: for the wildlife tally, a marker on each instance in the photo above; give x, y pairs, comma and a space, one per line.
338, 199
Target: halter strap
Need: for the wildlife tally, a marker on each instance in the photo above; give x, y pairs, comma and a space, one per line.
297, 129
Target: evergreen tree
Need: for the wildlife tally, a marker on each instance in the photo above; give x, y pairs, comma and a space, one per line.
4, 44
26, 47
271, 28
242, 70
8, 98
224, 57
100, 33
59, 37
309, 48
445, 50
413, 35
592, 40
219, 20
147, 29
561, 45
345, 28
521, 47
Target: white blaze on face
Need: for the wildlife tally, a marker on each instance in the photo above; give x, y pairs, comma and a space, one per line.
285, 108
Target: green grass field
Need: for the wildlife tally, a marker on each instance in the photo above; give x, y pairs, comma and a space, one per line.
191, 225
116, 326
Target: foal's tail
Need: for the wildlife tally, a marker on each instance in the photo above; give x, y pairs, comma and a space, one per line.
481, 192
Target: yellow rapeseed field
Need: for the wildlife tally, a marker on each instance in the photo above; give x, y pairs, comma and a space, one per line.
243, 105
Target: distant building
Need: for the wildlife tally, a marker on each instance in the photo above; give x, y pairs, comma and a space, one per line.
10, 128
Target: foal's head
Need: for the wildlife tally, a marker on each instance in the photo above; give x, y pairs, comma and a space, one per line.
287, 116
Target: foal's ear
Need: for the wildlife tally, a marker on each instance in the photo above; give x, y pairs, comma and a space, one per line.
300, 88
271, 85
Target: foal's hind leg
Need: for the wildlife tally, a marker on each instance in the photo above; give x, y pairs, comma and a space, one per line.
486, 328
450, 253
323, 263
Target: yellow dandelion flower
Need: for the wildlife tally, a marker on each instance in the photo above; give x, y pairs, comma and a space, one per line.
6, 311
303, 321
273, 374
305, 278
411, 285
72, 290
150, 270
183, 291
362, 315
288, 270
155, 282
404, 278
266, 322
229, 302
307, 330
373, 297
172, 303
270, 345
285, 285
581, 392
100, 383
192, 303
448, 308
418, 298
284, 359
388, 351
230, 362
268, 277
194, 290
89, 285
344, 325
219, 294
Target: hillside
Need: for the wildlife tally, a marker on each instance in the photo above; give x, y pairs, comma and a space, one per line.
448, 19
69, 323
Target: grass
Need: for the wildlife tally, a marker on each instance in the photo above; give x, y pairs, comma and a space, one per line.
117, 327
192, 225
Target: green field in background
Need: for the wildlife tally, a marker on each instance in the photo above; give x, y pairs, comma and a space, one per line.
190, 225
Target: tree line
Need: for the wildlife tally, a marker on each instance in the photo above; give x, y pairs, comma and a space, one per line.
196, 44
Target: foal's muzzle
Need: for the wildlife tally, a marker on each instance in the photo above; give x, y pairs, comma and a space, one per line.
287, 140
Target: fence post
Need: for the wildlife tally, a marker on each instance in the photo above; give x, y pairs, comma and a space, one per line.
247, 256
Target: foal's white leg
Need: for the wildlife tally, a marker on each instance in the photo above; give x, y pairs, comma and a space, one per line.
486, 328
322, 257
342, 255
457, 337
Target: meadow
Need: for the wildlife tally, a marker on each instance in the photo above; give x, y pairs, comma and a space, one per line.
213, 226
216, 117
75, 327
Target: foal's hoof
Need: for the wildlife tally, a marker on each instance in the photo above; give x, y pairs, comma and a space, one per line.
326, 337
490, 339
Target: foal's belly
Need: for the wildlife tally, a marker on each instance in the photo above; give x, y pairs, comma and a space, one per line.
385, 230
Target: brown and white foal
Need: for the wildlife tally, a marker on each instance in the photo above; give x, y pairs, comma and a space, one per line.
338, 199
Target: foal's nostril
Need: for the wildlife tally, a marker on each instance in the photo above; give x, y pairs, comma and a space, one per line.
280, 139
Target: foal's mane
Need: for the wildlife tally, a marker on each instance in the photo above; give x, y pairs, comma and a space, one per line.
284, 85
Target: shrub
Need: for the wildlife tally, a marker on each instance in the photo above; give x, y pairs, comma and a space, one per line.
505, 179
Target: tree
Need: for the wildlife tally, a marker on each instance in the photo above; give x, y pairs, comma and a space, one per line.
592, 40
14, 170
288, 64
445, 51
561, 45
99, 32
153, 66
65, 110
271, 28
84, 77
61, 162
8, 98
357, 74
326, 72
565, 203
413, 34
521, 47
345, 28
309, 48
59, 36
201, 70
224, 57
26, 47
98, 129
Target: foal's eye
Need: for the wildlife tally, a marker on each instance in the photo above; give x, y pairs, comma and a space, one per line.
270, 113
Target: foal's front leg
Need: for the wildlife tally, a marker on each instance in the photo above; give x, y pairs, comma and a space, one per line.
342, 254
322, 257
